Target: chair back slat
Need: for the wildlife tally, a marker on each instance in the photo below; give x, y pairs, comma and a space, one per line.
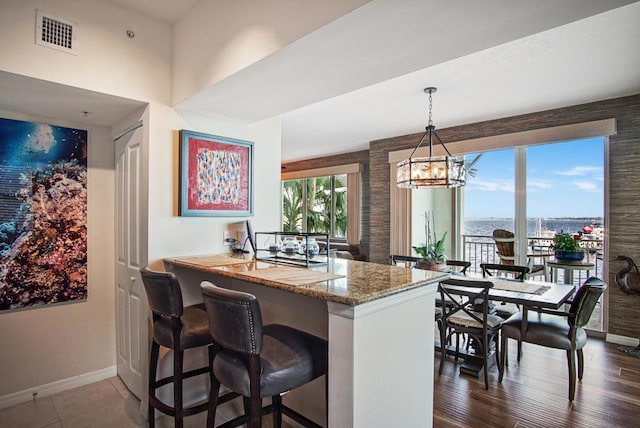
585, 300
235, 320
406, 261
163, 292
463, 264
519, 272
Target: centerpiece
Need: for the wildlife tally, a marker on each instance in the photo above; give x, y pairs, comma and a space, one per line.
432, 255
567, 248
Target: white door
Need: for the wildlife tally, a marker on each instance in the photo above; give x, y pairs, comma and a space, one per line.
131, 306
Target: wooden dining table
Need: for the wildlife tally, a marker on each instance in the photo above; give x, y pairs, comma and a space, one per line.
528, 294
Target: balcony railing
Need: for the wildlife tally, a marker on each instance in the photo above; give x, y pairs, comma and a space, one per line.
482, 249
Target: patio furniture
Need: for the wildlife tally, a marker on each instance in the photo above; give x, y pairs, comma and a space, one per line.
505, 245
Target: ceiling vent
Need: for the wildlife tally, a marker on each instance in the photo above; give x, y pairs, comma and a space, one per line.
56, 33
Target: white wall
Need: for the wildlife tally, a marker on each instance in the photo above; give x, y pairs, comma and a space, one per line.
171, 235
44, 345
216, 39
107, 61
55, 344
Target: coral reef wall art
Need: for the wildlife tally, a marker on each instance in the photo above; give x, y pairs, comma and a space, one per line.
43, 214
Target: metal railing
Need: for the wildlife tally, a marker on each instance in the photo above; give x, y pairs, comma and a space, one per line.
482, 249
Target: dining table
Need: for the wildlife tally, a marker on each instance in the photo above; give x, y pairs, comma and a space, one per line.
528, 295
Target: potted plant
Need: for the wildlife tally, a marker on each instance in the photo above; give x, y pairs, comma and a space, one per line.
567, 247
432, 256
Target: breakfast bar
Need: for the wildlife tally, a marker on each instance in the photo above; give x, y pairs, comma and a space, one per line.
378, 319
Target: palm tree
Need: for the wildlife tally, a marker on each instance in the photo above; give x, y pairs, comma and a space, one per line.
292, 206
318, 205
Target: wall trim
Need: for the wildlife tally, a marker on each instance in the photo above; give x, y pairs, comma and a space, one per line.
62, 385
351, 168
622, 340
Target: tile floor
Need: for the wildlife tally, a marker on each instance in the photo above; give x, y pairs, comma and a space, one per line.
103, 404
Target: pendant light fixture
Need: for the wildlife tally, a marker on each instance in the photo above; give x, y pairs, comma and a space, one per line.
432, 171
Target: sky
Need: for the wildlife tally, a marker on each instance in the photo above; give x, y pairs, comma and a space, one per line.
563, 180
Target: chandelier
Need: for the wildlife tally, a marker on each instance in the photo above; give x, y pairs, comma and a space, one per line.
432, 171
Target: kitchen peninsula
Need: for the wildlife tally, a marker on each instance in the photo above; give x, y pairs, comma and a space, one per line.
378, 319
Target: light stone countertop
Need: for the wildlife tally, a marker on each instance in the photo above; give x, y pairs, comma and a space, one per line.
343, 281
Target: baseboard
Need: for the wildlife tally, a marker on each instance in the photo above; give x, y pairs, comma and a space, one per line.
56, 387
622, 340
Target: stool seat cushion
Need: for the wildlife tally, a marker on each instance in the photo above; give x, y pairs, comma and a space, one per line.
289, 358
195, 329
547, 330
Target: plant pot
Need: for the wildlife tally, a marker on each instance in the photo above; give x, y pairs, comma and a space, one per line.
569, 256
431, 266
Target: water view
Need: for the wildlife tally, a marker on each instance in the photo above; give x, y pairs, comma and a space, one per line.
536, 227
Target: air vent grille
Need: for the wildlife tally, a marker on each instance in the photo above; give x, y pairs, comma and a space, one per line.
56, 33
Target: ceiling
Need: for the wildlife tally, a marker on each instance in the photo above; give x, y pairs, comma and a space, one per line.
361, 77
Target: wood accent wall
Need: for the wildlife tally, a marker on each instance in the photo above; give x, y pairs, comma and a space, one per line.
361, 157
623, 221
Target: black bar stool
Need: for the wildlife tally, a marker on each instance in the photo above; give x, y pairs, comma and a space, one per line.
177, 328
258, 361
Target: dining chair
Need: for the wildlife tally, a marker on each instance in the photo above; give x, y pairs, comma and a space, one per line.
256, 360
463, 265
505, 246
469, 314
518, 273
558, 329
404, 261
512, 271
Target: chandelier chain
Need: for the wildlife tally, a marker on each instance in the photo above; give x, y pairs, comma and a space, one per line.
430, 105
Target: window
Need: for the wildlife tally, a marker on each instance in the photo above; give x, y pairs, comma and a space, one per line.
323, 200
316, 204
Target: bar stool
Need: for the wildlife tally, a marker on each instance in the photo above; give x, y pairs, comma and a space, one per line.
258, 361
177, 328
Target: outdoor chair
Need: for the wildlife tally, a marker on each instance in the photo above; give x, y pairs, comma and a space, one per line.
558, 329
505, 245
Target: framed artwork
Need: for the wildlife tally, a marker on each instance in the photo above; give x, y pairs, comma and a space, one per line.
216, 175
43, 215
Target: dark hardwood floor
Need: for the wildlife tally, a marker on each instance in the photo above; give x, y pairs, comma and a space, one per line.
534, 393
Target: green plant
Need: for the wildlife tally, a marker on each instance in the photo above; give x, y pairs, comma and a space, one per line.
432, 252
565, 242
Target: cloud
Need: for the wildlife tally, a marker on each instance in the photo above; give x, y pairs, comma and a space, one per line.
587, 186
492, 186
581, 170
535, 184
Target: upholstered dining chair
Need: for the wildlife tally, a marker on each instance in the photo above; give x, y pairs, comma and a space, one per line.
258, 361
557, 329
177, 328
469, 314
505, 246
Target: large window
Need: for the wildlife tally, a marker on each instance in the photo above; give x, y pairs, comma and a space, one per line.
316, 205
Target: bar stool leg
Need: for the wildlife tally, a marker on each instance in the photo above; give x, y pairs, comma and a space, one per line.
153, 370
276, 400
178, 356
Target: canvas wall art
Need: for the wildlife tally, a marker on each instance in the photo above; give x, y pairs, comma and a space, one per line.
43, 214
216, 175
